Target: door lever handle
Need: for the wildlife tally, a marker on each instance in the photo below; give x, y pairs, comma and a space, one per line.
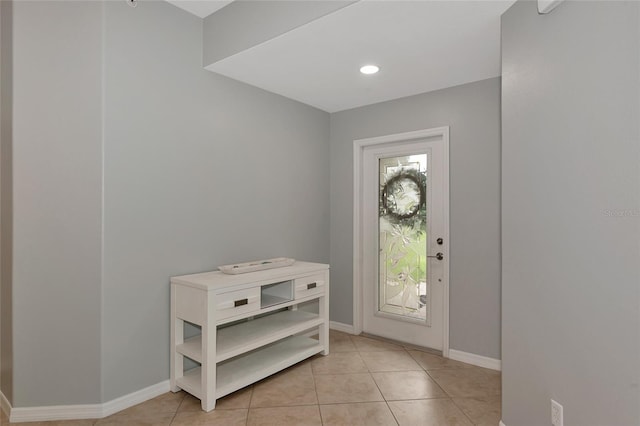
438, 256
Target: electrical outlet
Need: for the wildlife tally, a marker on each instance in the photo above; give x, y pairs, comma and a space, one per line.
556, 414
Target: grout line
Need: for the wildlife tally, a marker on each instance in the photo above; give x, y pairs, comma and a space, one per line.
392, 413
315, 388
320, 411
438, 384
350, 403
339, 403
379, 390
281, 406
396, 371
178, 407
420, 399
462, 411
174, 416
253, 388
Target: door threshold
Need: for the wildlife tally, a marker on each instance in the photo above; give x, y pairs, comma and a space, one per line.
408, 346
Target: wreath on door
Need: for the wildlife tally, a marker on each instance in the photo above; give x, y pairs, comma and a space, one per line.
403, 198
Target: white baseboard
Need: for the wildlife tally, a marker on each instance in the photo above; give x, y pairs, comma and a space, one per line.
86, 411
338, 326
477, 360
4, 404
501, 424
135, 398
55, 412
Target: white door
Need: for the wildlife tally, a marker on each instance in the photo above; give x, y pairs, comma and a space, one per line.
404, 238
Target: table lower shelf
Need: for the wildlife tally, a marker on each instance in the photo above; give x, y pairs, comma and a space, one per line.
250, 367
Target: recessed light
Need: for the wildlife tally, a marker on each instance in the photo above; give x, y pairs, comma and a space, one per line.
369, 69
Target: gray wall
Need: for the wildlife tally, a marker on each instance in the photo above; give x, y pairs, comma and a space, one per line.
200, 171
57, 202
571, 213
197, 170
473, 113
6, 203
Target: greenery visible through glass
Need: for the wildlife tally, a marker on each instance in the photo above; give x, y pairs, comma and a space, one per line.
402, 285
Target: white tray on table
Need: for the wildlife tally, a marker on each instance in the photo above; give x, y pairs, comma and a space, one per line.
256, 265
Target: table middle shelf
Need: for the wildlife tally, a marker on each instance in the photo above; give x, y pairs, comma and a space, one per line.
238, 338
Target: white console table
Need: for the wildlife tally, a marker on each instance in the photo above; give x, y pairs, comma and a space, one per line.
250, 324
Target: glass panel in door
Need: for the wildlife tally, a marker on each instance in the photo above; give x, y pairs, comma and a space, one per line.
402, 228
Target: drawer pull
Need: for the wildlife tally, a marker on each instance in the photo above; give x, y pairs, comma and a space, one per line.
310, 286
240, 302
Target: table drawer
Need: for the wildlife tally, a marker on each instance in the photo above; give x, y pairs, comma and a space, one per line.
309, 286
237, 302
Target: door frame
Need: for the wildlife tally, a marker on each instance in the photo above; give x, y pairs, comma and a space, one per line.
359, 146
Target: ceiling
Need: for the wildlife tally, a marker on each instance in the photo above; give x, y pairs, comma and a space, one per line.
200, 8
420, 46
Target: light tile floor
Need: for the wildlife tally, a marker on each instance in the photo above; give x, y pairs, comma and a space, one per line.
364, 381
